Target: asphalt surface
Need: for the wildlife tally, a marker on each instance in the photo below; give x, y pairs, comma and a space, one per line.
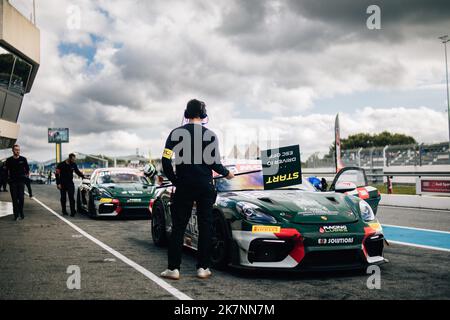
36, 252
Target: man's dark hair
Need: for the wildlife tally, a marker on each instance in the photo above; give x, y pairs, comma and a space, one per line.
195, 109
16, 145
72, 155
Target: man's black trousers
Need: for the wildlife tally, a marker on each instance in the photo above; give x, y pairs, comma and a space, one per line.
204, 196
68, 189
17, 190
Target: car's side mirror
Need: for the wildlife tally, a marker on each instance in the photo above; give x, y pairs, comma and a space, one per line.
343, 187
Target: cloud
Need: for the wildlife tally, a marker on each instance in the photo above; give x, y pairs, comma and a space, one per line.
256, 63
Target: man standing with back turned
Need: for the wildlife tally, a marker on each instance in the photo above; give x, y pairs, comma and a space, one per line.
18, 171
196, 151
64, 182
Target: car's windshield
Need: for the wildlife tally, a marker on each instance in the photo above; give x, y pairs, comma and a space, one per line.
253, 181
120, 177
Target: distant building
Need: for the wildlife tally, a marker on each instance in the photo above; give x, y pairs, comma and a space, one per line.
19, 64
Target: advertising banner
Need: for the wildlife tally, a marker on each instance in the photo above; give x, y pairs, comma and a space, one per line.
58, 135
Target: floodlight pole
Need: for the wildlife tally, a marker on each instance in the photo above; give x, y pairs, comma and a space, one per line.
446, 39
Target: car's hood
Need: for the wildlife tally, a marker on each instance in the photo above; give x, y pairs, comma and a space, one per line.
301, 206
134, 190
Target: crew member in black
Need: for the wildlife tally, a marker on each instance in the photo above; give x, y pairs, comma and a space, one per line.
196, 154
64, 182
18, 171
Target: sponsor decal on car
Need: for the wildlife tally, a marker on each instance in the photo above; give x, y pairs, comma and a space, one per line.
272, 229
333, 229
134, 200
106, 200
335, 241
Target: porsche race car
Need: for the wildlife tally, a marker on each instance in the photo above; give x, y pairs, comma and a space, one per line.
295, 228
115, 191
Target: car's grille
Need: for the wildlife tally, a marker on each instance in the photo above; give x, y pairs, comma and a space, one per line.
269, 250
333, 258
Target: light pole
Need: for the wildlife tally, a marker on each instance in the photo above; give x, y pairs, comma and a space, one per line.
444, 40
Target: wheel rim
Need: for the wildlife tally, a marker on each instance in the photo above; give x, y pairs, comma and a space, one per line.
157, 225
218, 242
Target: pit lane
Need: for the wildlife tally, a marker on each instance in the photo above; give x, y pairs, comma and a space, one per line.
36, 252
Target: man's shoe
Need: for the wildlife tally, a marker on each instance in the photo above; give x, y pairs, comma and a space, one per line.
171, 274
16, 218
22, 217
64, 214
203, 273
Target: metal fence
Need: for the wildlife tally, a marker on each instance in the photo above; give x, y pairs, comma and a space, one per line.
389, 156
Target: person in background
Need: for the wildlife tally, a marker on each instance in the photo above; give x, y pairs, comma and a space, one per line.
18, 171
64, 182
49, 177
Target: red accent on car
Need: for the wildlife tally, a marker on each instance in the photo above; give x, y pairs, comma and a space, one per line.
117, 203
363, 193
368, 231
298, 253
150, 206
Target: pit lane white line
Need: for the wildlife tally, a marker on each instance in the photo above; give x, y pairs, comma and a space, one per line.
412, 208
412, 228
163, 284
418, 246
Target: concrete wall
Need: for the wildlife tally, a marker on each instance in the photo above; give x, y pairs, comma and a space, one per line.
8, 129
423, 202
18, 32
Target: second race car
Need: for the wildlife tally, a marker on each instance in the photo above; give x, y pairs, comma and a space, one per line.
115, 191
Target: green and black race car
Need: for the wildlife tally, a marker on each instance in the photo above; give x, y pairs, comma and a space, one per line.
295, 228
115, 191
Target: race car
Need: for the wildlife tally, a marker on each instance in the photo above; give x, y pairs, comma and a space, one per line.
111, 192
295, 228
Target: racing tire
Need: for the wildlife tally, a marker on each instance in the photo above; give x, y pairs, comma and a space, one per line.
220, 251
91, 207
159, 234
79, 205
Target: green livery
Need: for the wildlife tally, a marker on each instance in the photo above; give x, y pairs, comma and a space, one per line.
295, 228
115, 192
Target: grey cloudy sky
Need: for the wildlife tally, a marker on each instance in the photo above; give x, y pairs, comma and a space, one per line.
121, 78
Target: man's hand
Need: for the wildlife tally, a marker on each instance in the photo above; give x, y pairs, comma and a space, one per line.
230, 176
59, 187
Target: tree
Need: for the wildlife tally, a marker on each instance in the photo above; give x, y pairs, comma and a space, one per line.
366, 140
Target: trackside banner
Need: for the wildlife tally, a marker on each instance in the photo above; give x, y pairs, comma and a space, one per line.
281, 167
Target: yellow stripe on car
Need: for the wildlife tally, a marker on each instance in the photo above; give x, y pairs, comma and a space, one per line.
273, 229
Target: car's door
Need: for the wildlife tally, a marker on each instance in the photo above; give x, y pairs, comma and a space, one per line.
358, 176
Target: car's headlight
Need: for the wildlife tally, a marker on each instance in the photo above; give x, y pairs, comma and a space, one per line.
366, 211
253, 213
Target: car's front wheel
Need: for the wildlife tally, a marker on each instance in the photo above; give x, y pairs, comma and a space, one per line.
91, 207
220, 252
79, 205
159, 234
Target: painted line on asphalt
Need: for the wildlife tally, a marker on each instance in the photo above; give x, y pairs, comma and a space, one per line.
420, 238
417, 209
6, 209
412, 228
163, 284
418, 246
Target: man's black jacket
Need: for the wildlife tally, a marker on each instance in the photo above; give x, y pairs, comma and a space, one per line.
196, 151
64, 173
